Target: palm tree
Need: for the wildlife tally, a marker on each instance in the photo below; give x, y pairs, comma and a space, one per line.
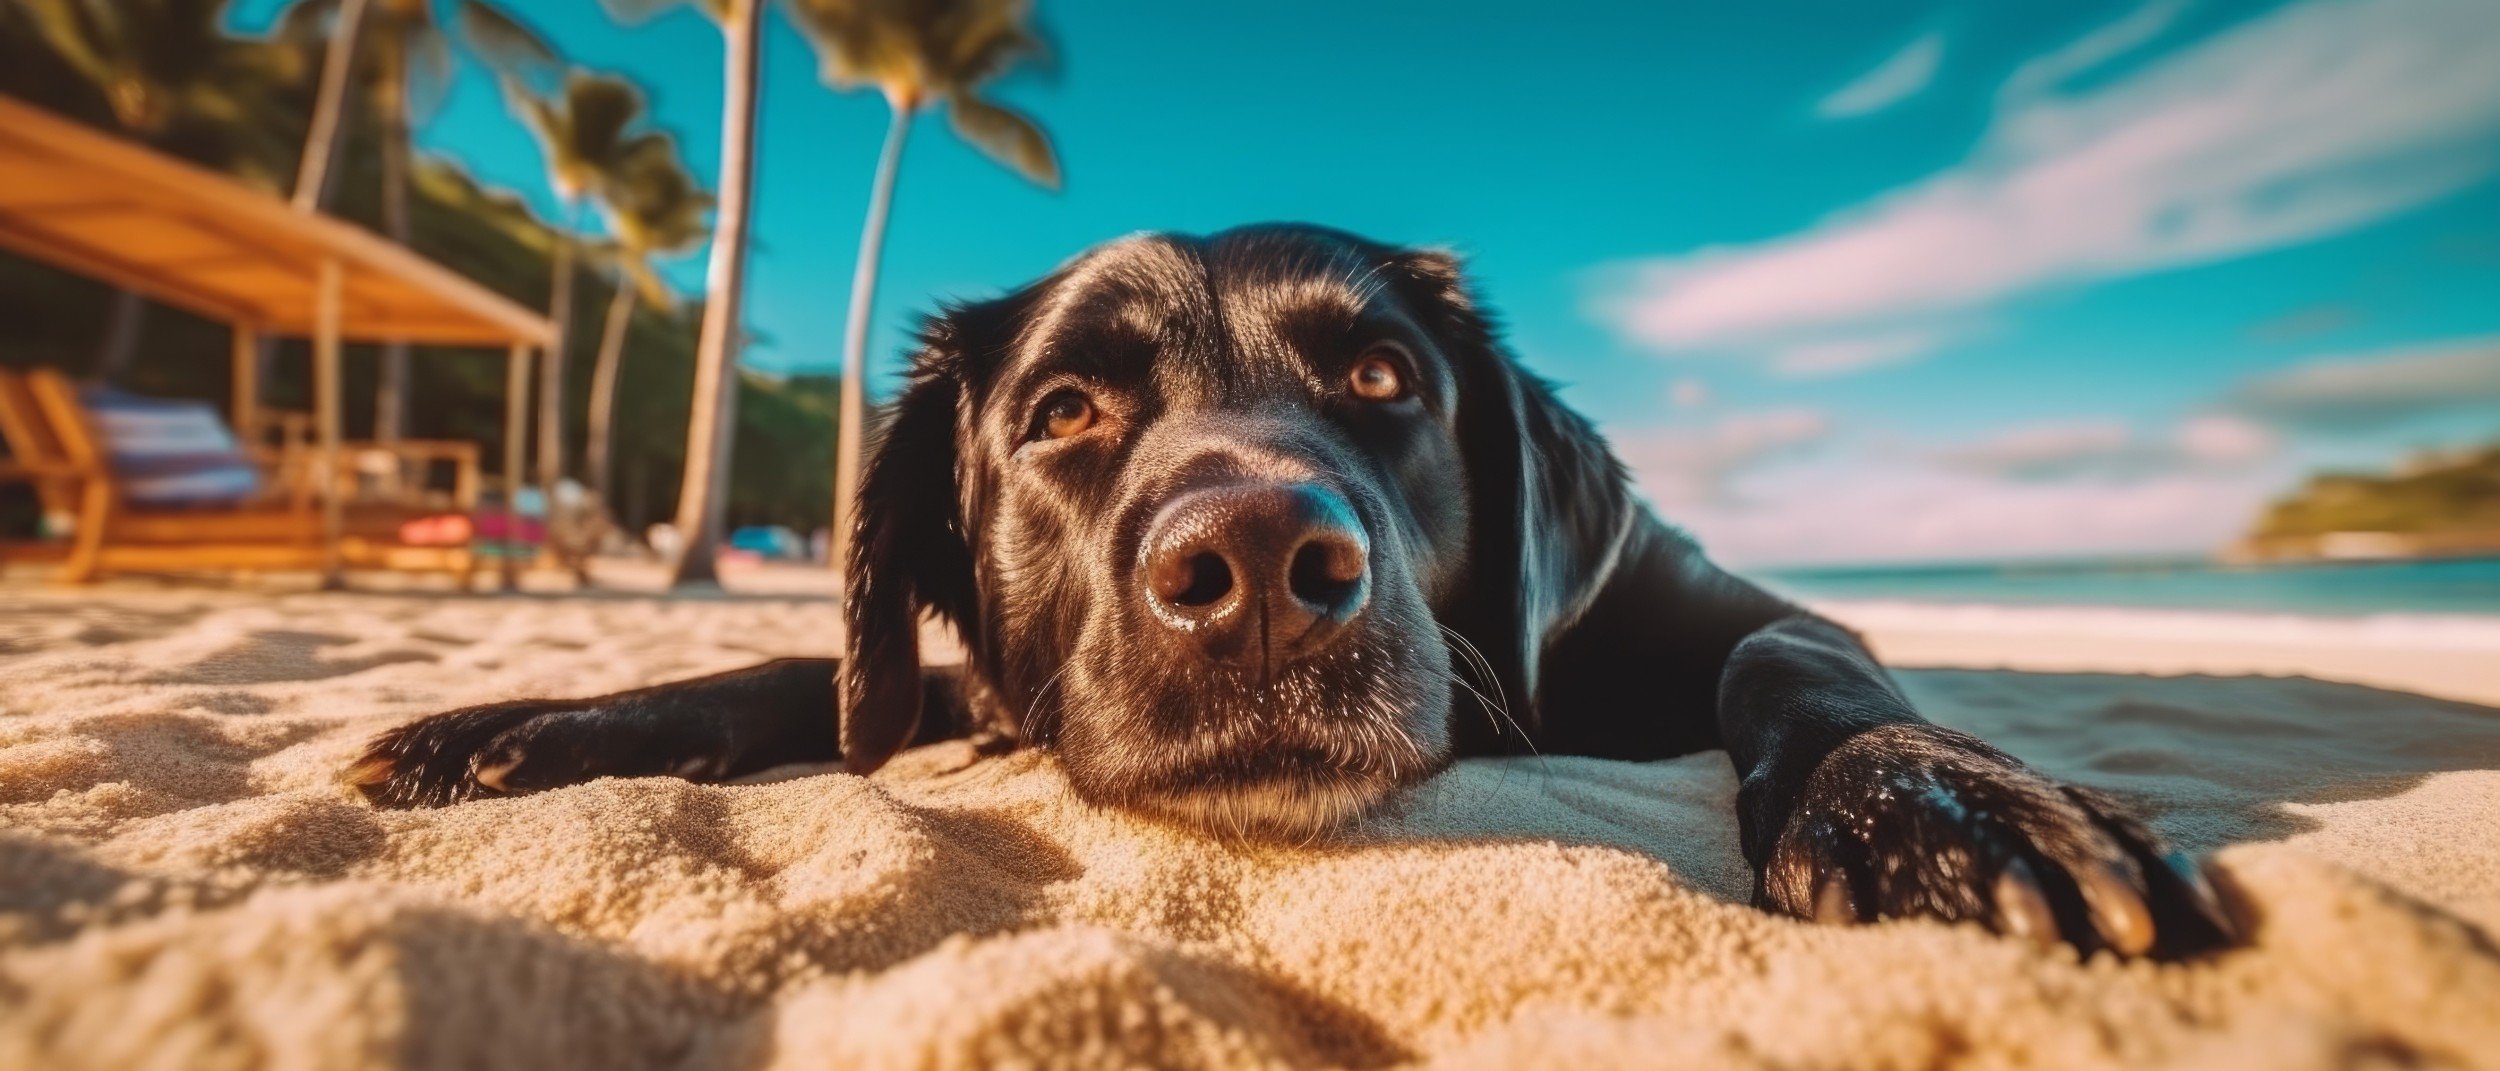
919, 53
165, 68
655, 209
586, 133
405, 62
702, 498
321, 139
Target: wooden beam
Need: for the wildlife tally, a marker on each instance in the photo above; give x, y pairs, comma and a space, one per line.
413, 332
47, 249
246, 415
192, 193
41, 143
327, 407
516, 411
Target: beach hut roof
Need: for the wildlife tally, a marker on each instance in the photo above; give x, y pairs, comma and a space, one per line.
103, 207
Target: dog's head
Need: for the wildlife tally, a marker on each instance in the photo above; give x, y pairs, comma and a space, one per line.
1227, 522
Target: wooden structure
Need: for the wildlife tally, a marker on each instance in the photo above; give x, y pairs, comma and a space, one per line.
93, 204
57, 447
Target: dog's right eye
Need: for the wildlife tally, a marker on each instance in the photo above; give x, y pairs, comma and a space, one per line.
1064, 414
1379, 375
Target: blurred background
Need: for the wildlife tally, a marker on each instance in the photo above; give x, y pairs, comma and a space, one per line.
2085, 302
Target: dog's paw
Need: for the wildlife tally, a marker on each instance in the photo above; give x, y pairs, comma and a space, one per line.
513, 748
1914, 820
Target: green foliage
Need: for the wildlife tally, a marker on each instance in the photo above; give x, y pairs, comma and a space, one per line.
785, 428
654, 208
2432, 496
587, 132
404, 50
162, 70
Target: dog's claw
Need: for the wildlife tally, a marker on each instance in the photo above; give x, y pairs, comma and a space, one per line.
492, 774
1946, 827
436, 761
512, 749
2117, 909
369, 770
1833, 906
2200, 891
2022, 910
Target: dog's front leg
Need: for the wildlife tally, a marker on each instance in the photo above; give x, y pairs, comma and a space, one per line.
706, 729
1853, 808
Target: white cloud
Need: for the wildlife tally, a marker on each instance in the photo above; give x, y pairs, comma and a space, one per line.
1699, 464
2320, 117
1773, 488
1689, 393
1879, 511
1898, 78
2113, 450
2220, 439
1819, 358
2051, 69
2370, 391
2042, 451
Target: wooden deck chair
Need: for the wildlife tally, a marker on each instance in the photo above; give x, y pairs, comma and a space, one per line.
61, 449
36, 460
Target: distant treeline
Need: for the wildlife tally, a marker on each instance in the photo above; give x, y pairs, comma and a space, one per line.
781, 465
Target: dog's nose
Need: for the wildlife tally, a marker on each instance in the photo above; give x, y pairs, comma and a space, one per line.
1257, 574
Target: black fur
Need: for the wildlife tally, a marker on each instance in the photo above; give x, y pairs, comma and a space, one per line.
1512, 594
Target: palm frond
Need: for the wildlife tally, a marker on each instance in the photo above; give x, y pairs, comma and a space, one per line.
426, 60
982, 40
1008, 137
162, 66
920, 51
601, 111
507, 45
305, 22
82, 34
640, 10
882, 43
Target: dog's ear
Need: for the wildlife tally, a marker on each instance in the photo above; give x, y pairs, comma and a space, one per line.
1549, 503
909, 555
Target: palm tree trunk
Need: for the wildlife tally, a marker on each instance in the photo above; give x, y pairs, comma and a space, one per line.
853, 415
551, 367
321, 144
595, 461
321, 140
390, 392
703, 497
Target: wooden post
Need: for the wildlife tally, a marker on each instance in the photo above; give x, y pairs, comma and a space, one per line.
247, 383
327, 406
516, 410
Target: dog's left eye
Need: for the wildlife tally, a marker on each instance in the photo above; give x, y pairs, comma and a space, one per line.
1377, 377
1064, 414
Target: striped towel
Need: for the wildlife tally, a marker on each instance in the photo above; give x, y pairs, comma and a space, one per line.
170, 453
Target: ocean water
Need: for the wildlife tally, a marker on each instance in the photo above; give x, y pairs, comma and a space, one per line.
2458, 586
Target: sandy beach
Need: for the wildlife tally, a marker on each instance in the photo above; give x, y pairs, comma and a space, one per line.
182, 883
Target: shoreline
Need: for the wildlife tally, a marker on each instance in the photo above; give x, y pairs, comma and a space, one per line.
2447, 656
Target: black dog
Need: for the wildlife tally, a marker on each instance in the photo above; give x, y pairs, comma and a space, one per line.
1254, 530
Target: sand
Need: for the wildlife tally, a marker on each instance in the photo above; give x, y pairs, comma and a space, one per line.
182, 885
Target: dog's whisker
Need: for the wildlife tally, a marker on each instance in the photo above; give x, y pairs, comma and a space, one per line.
1032, 711
1484, 666
1493, 708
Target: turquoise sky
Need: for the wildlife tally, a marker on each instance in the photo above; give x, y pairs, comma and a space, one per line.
1846, 281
